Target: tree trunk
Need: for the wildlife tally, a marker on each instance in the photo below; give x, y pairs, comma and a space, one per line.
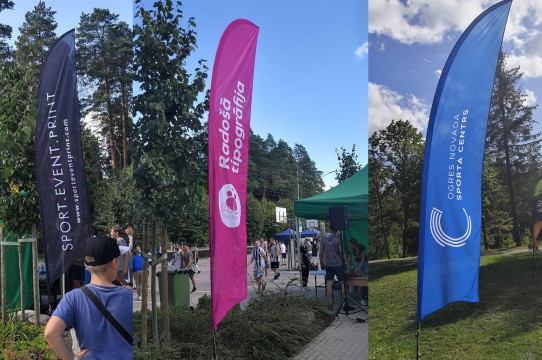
153, 288
484, 232
382, 226
110, 124
165, 301
124, 127
405, 225
145, 284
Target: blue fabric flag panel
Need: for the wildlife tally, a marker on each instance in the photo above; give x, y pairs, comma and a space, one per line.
450, 219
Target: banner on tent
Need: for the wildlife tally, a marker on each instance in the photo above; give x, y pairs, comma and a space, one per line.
64, 207
450, 219
229, 129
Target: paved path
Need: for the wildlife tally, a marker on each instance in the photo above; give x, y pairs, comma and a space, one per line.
344, 339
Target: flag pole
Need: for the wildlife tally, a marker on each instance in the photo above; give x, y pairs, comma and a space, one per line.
418, 342
214, 344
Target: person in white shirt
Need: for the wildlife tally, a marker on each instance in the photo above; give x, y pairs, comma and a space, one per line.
258, 257
177, 257
283, 252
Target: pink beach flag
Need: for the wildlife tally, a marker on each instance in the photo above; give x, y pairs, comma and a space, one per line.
229, 129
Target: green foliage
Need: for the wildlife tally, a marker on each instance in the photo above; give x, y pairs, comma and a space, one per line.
17, 161
291, 321
23, 340
104, 60
396, 157
275, 170
115, 201
5, 33
497, 224
166, 160
192, 225
309, 177
348, 164
37, 35
514, 148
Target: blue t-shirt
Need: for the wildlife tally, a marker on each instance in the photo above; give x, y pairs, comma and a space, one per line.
93, 330
138, 263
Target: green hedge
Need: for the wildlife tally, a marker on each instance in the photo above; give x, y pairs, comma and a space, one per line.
23, 340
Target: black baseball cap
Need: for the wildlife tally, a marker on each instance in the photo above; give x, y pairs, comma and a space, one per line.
103, 249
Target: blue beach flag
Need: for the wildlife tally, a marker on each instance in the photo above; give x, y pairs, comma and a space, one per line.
451, 209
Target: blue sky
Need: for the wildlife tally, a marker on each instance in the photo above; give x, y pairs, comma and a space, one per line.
310, 81
67, 12
410, 42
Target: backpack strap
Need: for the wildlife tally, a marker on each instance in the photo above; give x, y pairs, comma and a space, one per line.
122, 331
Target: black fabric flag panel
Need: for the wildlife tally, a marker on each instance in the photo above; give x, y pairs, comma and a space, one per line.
64, 207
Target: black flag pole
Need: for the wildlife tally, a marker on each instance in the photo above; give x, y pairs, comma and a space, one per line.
418, 342
214, 345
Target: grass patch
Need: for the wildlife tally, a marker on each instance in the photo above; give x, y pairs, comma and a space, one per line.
506, 324
274, 326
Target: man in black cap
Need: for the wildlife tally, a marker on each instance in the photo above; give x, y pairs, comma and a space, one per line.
97, 336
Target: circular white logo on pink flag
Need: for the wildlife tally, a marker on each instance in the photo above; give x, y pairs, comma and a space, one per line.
230, 206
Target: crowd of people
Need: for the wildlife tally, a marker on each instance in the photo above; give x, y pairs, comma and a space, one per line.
115, 267
316, 254
265, 255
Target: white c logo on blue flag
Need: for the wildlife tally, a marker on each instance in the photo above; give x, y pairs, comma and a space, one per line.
441, 237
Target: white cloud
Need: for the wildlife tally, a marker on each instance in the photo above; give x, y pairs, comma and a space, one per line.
386, 105
437, 73
361, 51
531, 66
530, 98
421, 21
430, 22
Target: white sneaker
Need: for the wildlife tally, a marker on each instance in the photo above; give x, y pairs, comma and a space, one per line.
139, 298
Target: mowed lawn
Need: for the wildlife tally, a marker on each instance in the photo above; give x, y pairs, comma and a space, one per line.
505, 324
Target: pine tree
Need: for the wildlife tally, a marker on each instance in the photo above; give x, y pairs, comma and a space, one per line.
5, 33
310, 178
510, 137
102, 63
37, 35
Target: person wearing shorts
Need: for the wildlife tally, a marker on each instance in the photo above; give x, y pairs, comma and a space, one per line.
332, 260
258, 257
283, 252
274, 252
188, 264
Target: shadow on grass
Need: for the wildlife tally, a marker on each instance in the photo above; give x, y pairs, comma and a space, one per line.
506, 289
392, 267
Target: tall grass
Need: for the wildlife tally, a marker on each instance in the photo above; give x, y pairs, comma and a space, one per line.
274, 326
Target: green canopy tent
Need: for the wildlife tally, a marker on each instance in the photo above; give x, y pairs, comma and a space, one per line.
353, 193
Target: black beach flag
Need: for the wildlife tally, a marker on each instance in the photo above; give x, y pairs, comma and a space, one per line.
64, 208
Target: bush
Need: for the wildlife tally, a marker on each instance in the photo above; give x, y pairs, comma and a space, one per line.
23, 340
274, 326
